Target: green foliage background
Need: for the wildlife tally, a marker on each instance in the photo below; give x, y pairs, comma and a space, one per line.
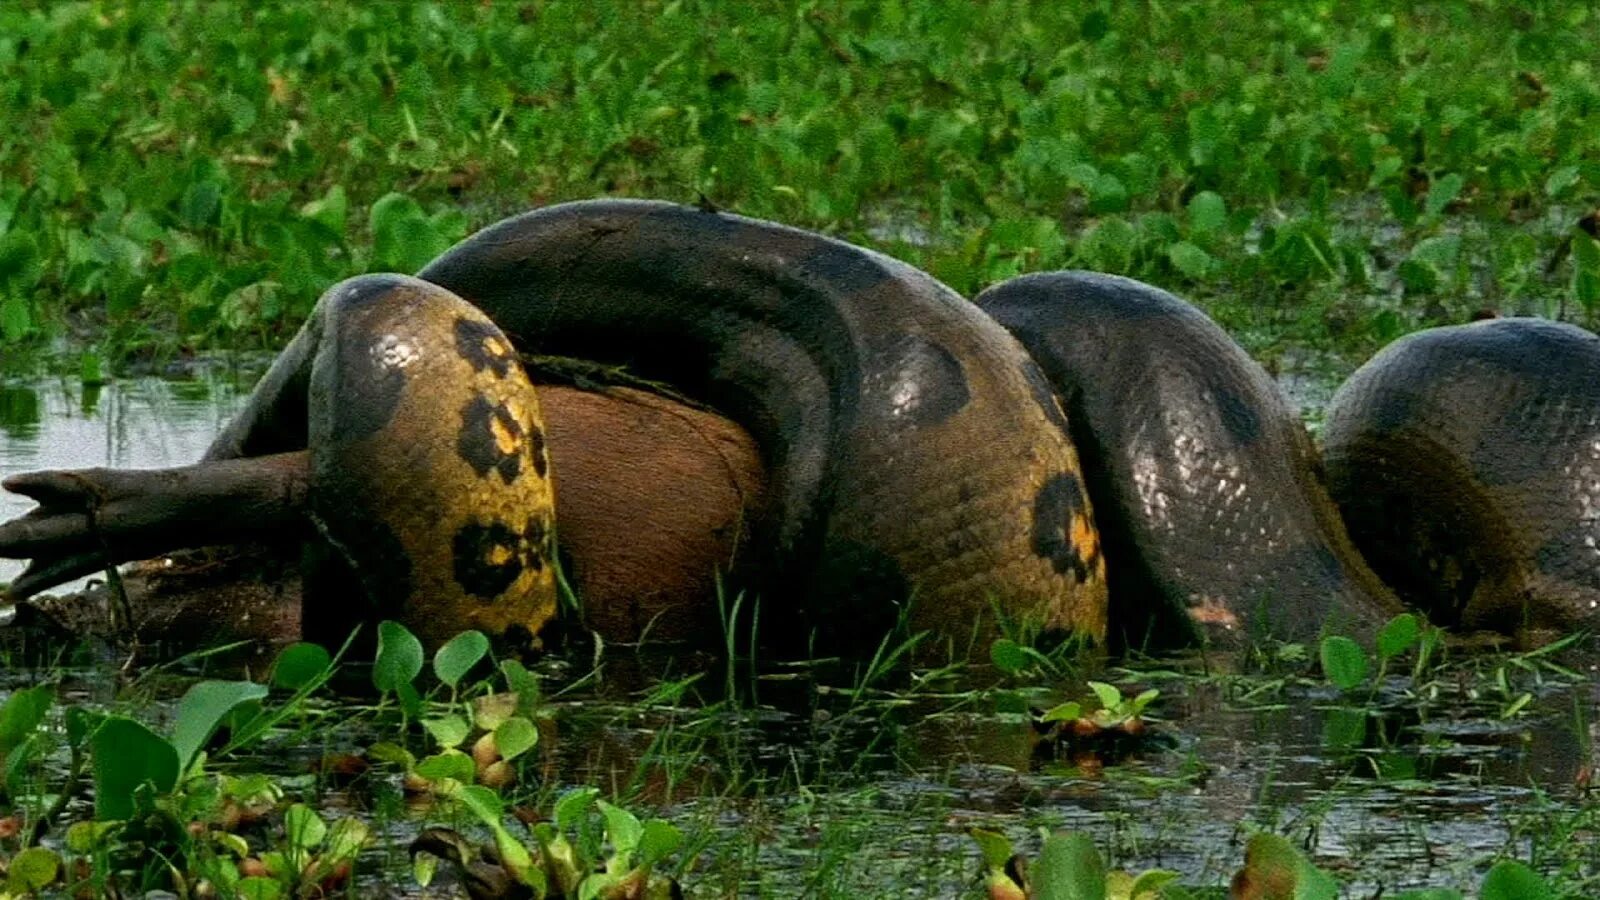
193, 174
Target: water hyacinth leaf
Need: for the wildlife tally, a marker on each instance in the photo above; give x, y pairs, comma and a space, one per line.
1068, 868
1107, 694
452, 764
995, 847
331, 211
1343, 662
622, 826
574, 805
126, 755
457, 657
1274, 868
1008, 656
22, 714
299, 664
514, 737
399, 659
258, 887
385, 751
1208, 213
1398, 635
1190, 259
303, 828
659, 840
1150, 884
203, 708
486, 805
32, 870
523, 683
1062, 712
448, 731
488, 712
1443, 192
16, 319
346, 839
1511, 880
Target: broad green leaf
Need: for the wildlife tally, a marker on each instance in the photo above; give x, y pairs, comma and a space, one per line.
459, 655
1207, 213
346, 839
16, 319
303, 828
622, 826
126, 754
514, 737
1062, 712
385, 751
659, 840
486, 805
574, 805
1343, 662
995, 847
523, 683
399, 658
1398, 635
32, 870
1442, 192
203, 708
448, 731
1108, 694
1190, 259
22, 714
258, 887
299, 664
447, 764
1068, 868
331, 210
1008, 656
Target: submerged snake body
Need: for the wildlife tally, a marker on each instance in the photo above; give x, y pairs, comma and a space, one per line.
1213, 516
914, 452
1466, 461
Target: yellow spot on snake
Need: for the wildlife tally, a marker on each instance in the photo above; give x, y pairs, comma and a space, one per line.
495, 347
504, 439
1085, 539
499, 555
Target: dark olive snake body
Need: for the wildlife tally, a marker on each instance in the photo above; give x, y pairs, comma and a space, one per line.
1466, 460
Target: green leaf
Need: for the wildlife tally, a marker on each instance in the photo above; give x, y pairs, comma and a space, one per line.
300, 664
399, 658
1343, 662
623, 827
523, 683
485, 804
32, 870
203, 708
331, 211
1207, 213
995, 847
459, 655
303, 828
126, 755
574, 805
1190, 260
514, 737
16, 319
22, 714
1062, 712
1561, 181
1274, 868
1068, 868
448, 731
258, 887
659, 840
1398, 635
447, 764
1143, 700
1442, 192
346, 839
1008, 656
385, 751
1107, 694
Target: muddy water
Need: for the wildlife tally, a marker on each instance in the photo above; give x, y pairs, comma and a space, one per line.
149, 422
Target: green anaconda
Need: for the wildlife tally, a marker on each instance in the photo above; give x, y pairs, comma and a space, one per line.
914, 452
1466, 461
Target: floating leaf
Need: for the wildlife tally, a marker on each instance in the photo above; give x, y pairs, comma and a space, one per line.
1398, 635
1343, 662
1008, 656
459, 655
1511, 880
448, 731
22, 714
1068, 868
299, 664
126, 755
203, 708
32, 870
514, 737
451, 764
399, 658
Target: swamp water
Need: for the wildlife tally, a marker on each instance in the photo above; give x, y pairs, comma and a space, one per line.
807, 782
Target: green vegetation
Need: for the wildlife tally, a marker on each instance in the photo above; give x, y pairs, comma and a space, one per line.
193, 174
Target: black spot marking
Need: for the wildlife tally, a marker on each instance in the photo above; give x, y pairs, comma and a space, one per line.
482, 422
536, 449
488, 559
1059, 503
360, 394
1046, 398
475, 339
1241, 422
920, 382
535, 543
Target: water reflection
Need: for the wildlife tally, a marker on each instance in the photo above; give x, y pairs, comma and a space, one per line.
51, 423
